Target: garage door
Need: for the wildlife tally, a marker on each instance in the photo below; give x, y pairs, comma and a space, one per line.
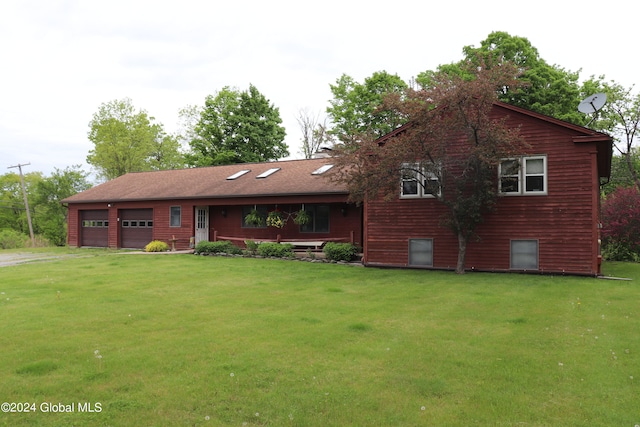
94, 228
136, 228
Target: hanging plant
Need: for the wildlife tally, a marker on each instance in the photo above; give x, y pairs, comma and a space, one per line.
253, 218
274, 219
302, 217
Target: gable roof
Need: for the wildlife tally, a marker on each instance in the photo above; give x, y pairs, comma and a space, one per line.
292, 177
603, 142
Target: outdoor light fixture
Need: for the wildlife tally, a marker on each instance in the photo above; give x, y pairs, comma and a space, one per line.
224, 212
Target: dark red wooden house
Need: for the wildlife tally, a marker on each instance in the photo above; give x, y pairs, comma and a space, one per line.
182, 207
546, 219
547, 216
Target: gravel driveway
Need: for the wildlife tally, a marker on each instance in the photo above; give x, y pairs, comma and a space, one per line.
15, 258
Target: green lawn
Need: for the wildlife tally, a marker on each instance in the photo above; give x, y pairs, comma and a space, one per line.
159, 340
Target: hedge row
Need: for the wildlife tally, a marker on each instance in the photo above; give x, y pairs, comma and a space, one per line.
333, 251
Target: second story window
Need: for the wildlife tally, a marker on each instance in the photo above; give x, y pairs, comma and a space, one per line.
417, 182
523, 175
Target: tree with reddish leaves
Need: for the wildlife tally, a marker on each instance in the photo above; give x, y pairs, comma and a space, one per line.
621, 225
452, 144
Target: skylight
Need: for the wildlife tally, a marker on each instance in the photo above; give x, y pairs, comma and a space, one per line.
321, 170
268, 172
238, 174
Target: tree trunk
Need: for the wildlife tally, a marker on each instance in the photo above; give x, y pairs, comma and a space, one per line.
462, 252
632, 170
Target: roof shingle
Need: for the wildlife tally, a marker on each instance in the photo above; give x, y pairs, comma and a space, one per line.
294, 178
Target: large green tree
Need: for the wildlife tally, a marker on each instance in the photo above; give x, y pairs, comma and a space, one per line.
13, 214
44, 193
621, 175
237, 127
357, 108
546, 89
50, 216
620, 117
126, 140
451, 147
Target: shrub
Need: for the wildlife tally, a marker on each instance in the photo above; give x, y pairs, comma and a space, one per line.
339, 251
621, 225
221, 246
41, 241
156, 246
615, 251
252, 247
278, 250
12, 239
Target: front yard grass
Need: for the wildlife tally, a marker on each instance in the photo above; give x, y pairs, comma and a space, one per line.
213, 341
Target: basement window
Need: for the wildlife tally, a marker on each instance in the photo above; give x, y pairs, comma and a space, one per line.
421, 252
524, 255
321, 170
267, 173
238, 174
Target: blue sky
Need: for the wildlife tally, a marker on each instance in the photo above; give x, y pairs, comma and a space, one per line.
61, 59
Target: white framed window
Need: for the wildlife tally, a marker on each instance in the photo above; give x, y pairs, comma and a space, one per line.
523, 175
524, 255
416, 182
421, 252
175, 216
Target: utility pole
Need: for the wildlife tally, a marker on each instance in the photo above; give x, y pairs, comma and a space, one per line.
26, 202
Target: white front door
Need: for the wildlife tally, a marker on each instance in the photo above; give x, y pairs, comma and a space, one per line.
202, 223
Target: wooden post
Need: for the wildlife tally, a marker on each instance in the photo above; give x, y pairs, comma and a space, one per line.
26, 202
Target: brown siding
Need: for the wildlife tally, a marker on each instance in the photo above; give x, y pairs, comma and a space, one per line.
564, 221
73, 226
163, 231
341, 227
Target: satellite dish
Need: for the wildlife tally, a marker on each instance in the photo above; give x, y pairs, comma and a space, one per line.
593, 103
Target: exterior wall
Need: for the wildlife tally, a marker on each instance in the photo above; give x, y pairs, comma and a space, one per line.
564, 221
161, 229
73, 226
342, 227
